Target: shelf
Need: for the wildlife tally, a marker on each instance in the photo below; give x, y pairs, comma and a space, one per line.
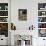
3, 10
42, 16
41, 22
4, 19
3, 22
42, 19
41, 10
41, 28
3, 16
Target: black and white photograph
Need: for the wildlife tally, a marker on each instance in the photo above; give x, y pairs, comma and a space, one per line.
22, 14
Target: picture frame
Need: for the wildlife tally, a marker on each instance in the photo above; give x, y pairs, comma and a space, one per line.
22, 14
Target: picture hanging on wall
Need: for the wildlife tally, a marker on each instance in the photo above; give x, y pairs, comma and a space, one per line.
22, 14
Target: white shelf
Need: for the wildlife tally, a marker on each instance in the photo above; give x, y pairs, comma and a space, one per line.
41, 28
42, 16
3, 16
41, 22
3, 10
41, 10
3, 22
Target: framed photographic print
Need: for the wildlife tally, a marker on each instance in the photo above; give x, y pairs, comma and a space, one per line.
22, 14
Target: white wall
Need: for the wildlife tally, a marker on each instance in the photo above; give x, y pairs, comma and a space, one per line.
3, 1
32, 14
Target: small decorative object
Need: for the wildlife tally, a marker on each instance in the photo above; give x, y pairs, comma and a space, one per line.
4, 26
22, 14
41, 19
42, 25
23, 40
42, 32
45, 7
3, 19
41, 8
3, 13
4, 29
13, 27
43, 13
0, 7
6, 7
31, 27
